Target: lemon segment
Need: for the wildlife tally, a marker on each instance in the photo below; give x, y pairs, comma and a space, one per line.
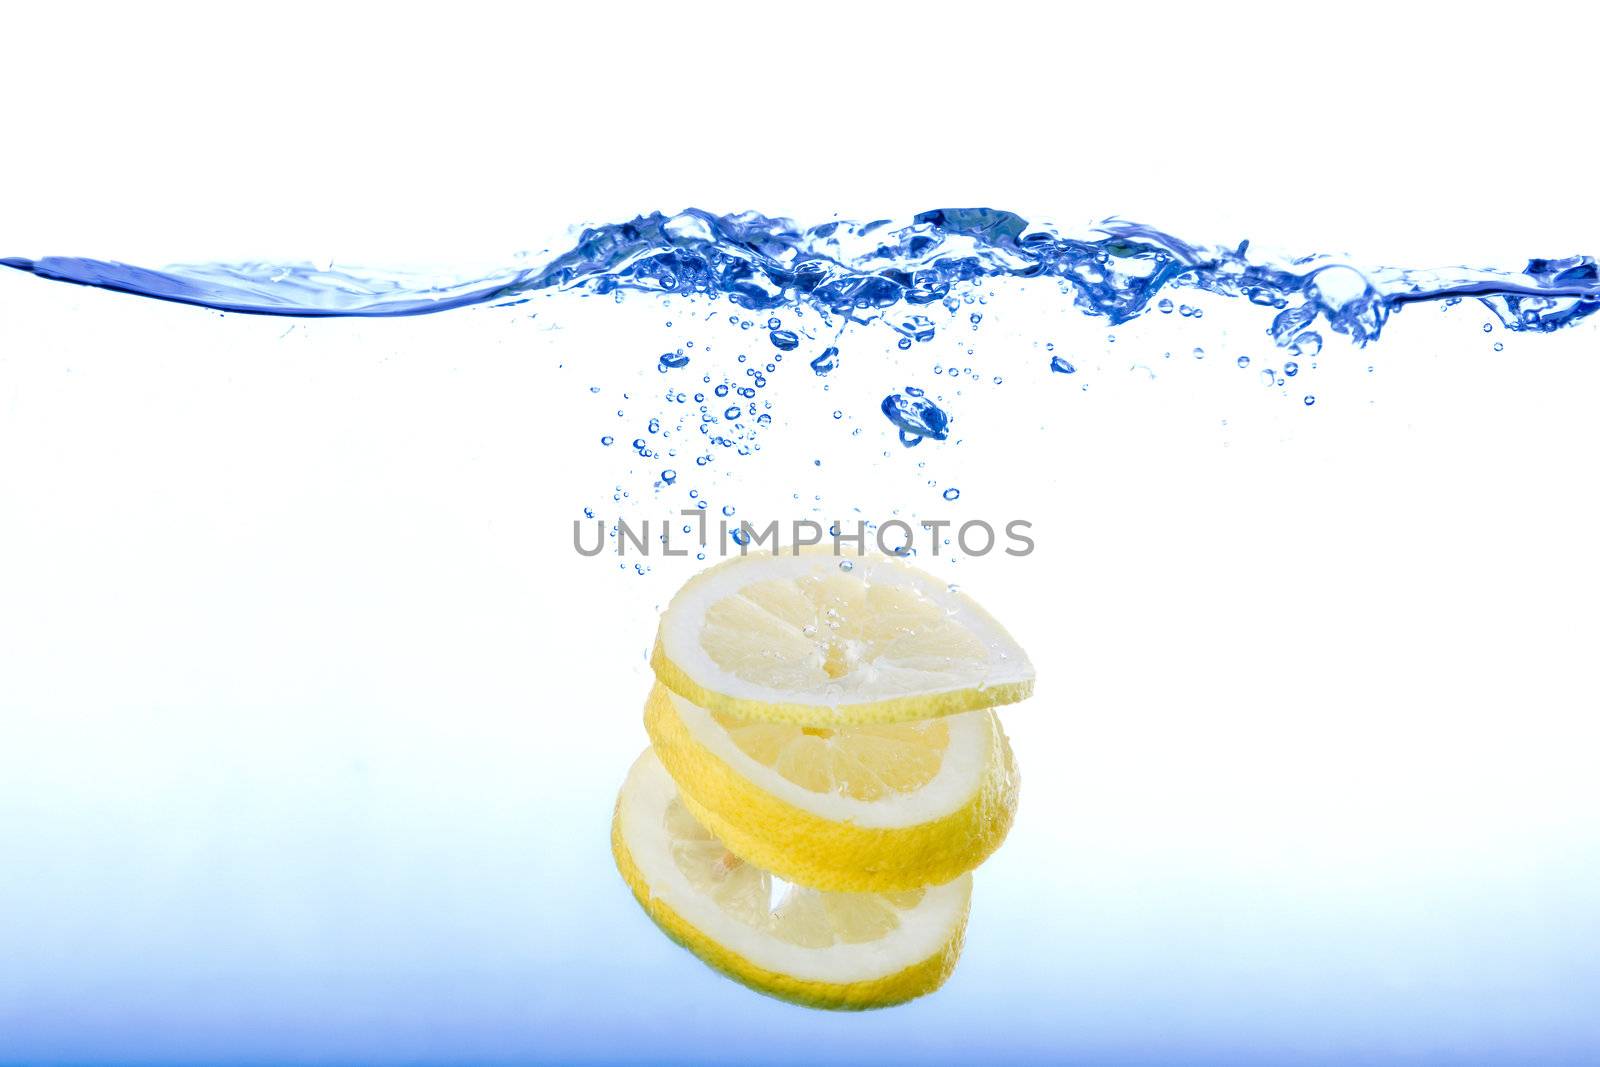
821, 641
879, 808
820, 949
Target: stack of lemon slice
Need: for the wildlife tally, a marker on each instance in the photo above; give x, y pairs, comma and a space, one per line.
824, 774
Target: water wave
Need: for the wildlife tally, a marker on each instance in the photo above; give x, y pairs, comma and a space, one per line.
885, 271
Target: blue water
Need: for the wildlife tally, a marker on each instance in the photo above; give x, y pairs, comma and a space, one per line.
268, 802
885, 270
833, 293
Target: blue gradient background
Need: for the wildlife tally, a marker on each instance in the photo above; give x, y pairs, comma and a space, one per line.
312, 723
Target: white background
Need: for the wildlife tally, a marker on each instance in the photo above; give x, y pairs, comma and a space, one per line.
305, 700
383, 131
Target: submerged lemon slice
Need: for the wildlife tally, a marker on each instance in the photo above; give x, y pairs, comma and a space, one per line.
824, 950
822, 641
853, 808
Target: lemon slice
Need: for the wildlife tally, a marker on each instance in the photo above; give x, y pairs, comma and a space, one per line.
818, 640
824, 950
854, 808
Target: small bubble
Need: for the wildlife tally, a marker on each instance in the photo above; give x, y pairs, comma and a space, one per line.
669, 476
846, 566
1291, 368
1307, 345
784, 340
674, 360
1244, 361
1059, 365
1199, 353
952, 493
905, 342
1310, 400
1498, 347
731, 413
1165, 306
1488, 327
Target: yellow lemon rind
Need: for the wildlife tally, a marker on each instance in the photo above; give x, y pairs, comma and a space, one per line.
897, 988
911, 708
805, 848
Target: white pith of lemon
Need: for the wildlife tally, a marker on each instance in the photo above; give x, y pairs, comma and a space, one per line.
834, 950
819, 640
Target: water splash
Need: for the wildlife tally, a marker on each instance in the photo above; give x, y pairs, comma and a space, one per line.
908, 283
916, 416
881, 270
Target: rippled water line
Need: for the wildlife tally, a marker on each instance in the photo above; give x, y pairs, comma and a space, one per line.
882, 270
